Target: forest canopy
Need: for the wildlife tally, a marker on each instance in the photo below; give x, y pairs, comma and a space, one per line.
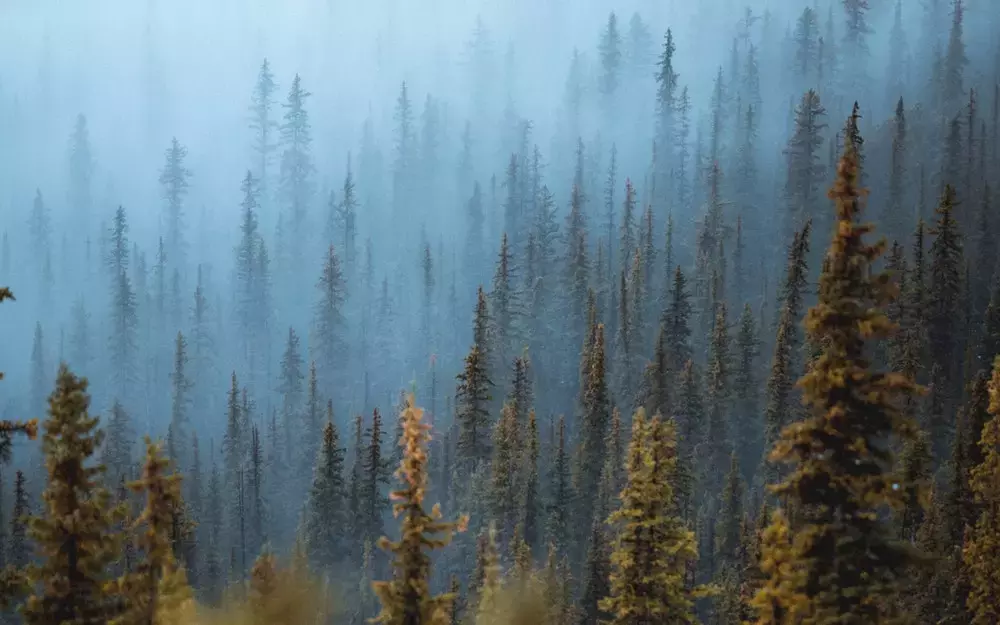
640, 314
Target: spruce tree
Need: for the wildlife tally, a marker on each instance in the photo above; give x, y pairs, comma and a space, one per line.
72, 534
181, 387
326, 520
676, 323
981, 552
841, 461
561, 493
595, 580
328, 345
652, 547
944, 296
530, 525
157, 589
17, 548
505, 487
375, 475
779, 389
893, 215
297, 167
716, 447
473, 419
596, 415
263, 125
728, 527
407, 599
292, 377
804, 170
174, 179
746, 426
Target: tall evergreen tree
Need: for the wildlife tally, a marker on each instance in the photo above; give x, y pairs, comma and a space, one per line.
157, 589
746, 394
72, 535
407, 599
181, 387
652, 546
943, 313
472, 414
297, 167
716, 447
842, 464
981, 551
328, 347
18, 549
263, 125
596, 415
561, 493
804, 170
174, 179
325, 518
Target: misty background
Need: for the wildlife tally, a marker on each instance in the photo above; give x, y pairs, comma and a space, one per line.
432, 117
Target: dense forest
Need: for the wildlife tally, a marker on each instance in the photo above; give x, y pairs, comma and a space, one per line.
481, 313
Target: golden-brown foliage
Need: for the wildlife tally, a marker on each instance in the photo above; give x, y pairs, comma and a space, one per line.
407, 598
982, 547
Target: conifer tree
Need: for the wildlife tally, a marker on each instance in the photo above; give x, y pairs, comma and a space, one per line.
666, 110
263, 125
657, 382
676, 319
290, 388
376, 475
328, 323
746, 430
596, 406
530, 527
473, 398
296, 166
561, 493
954, 63
174, 179
233, 460
716, 447
325, 520
841, 472
943, 301
116, 450
611, 56
595, 580
728, 528
181, 387
17, 549
505, 308
981, 552
915, 472
804, 170
157, 589
72, 535
312, 424
505, 487
407, 599
652, 547
779, 389
893, 216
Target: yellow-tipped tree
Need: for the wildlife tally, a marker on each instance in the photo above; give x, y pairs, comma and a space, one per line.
406, 599
7, 428
652, 548
835, 560
157, 590
982, 547
73, 538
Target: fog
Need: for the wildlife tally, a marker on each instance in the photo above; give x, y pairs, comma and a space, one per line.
486, 82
